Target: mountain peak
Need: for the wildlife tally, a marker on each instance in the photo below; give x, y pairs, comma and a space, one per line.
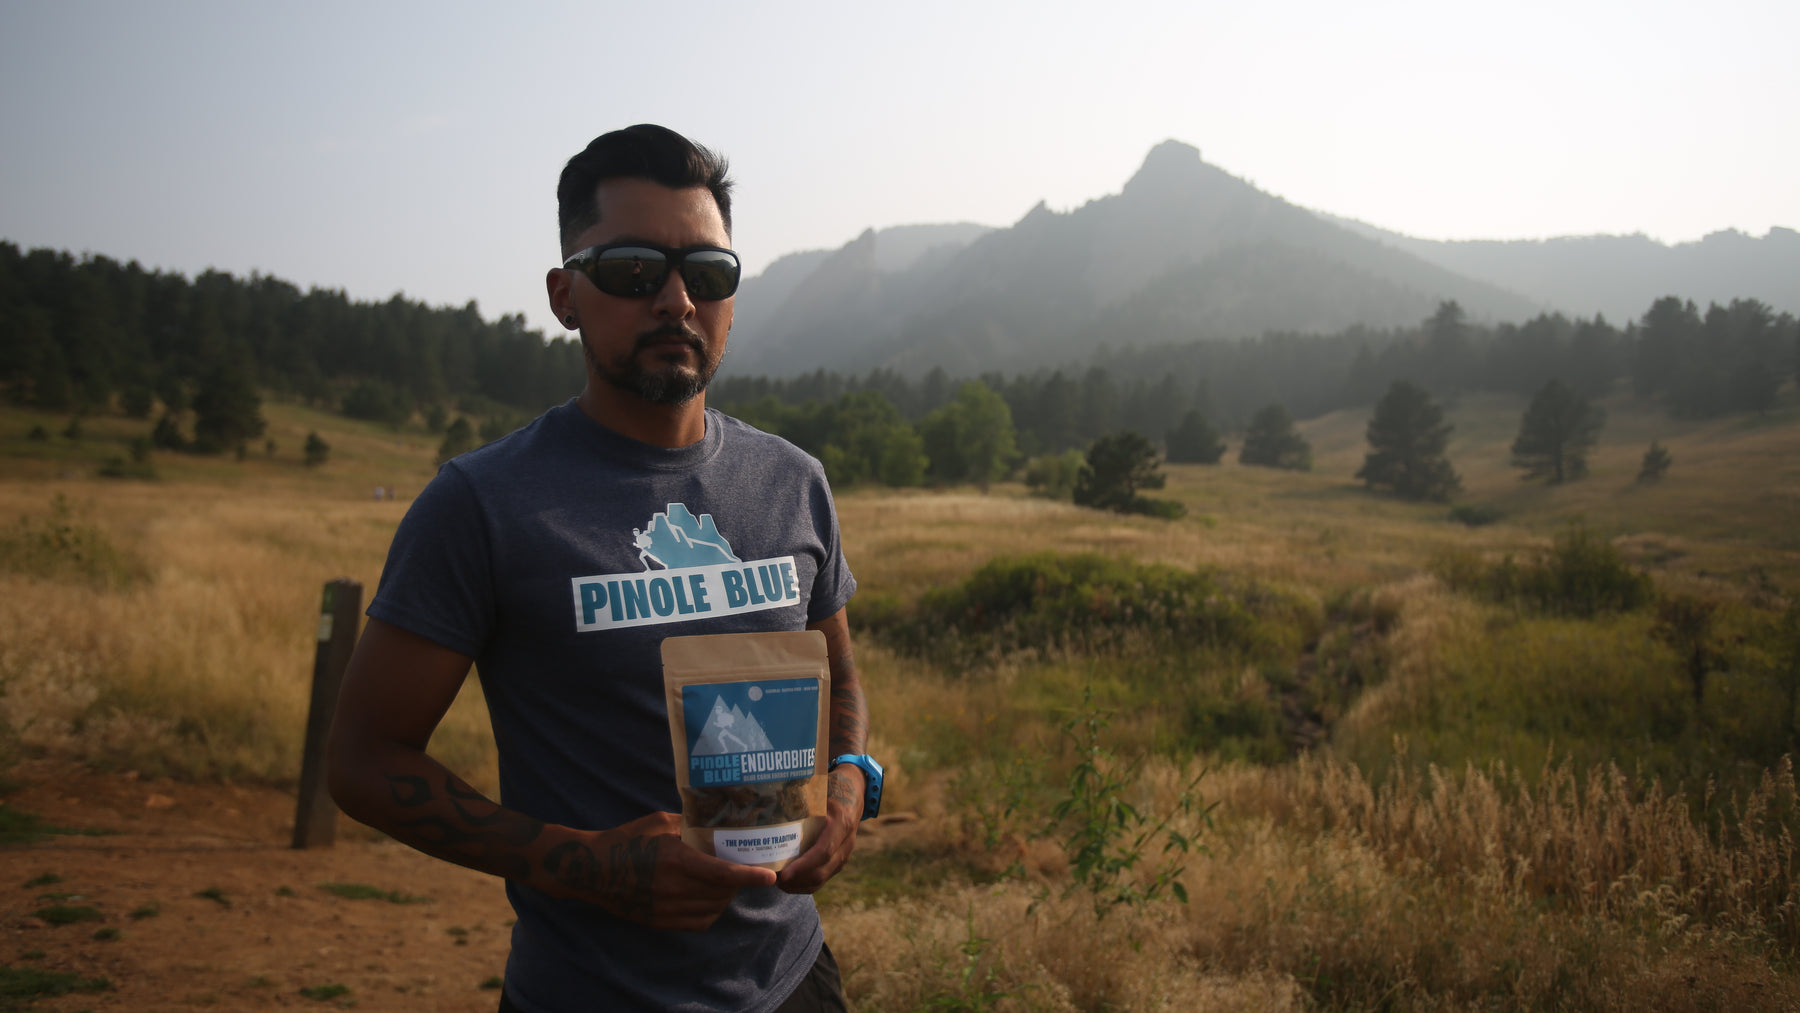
1171, 163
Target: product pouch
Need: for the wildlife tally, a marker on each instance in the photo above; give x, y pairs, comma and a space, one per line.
747, 723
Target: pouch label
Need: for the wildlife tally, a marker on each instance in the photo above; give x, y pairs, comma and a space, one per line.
748, 732
758, 845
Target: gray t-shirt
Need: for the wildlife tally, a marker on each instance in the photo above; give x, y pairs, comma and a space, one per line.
559, 558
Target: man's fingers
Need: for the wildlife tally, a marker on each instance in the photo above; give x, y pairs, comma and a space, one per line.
814, 868
706, 869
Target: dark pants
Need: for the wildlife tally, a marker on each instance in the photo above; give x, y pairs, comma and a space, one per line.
821, 991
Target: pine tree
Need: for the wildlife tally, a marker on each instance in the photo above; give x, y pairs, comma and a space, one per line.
1407, 436
1194, 441
458, 439
167, 434
227, 410
317, 451
1556, 434
1118, 466
1656, 463
1273, 442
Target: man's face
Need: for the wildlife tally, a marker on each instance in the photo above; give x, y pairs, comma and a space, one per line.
663, 348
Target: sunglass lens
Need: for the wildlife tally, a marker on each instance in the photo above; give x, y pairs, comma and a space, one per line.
629, 271
710, 274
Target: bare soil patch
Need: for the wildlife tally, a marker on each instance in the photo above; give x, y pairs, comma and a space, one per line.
202, 904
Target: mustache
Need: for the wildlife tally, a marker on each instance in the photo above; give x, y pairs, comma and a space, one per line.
662, 332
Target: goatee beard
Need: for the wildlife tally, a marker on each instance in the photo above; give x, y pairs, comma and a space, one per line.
677, 386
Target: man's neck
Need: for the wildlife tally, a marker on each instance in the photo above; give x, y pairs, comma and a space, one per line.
667, 426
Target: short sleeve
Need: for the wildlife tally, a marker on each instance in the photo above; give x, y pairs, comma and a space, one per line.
438, 579
834, 584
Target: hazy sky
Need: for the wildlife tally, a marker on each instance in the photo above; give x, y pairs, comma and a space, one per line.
381, 147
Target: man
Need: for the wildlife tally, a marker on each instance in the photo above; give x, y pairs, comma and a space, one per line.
614, 911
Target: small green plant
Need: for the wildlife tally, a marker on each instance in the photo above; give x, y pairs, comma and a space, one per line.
1685, 622
458, 933
47, 879
1107, 837
214, 894
324, 993
143, 911
119, 467
978, 986
68, 914
493, 982
64, 546
363, 891
108, 934
285, 891
20, 985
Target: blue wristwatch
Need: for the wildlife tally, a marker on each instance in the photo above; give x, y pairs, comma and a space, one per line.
871, 798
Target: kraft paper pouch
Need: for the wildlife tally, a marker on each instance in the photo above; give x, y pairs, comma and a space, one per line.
747, 723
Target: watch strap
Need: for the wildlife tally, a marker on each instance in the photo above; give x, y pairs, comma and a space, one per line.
872, 778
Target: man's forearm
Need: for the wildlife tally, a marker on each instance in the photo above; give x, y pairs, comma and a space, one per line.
849, 731
417, 801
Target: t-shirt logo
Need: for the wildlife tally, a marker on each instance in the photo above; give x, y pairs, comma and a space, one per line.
689, 572
674, 538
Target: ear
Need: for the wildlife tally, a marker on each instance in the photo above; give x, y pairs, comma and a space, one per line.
558, 283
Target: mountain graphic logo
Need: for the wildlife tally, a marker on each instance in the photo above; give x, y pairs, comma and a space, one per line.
675, 539
729, 730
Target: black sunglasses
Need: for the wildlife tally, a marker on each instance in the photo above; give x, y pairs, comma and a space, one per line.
635, 270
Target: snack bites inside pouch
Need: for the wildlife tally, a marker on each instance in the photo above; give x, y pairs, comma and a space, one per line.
747, 724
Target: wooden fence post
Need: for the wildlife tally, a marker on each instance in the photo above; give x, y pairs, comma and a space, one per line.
315, 817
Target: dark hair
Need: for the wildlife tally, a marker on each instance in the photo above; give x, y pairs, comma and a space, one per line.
645, 151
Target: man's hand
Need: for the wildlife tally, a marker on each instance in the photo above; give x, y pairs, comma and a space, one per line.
843, 810
644, 872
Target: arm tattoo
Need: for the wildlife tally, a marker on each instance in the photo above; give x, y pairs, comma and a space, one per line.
838, 790
625, 880
849, 712
464, 826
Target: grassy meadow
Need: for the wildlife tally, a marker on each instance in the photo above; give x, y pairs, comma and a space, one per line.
1289, 752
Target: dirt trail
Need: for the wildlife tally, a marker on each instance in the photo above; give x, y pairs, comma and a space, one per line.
266, 931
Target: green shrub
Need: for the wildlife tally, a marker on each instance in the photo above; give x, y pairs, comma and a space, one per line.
68, 914
1048, 602
1581, 575
1053, 476
1474, 515
65, 547
22, 984
363, 891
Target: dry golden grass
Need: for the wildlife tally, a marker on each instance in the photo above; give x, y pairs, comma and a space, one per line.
204, 669
1468, 887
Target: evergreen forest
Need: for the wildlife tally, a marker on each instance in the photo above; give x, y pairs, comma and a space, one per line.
90, 335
